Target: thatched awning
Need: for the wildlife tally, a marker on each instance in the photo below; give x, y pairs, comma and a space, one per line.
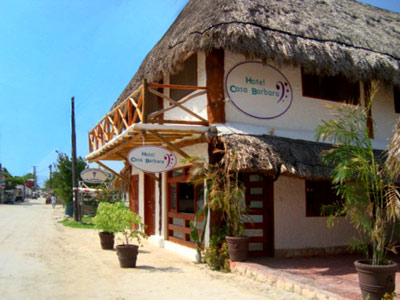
278, 155
326, 37
272, 154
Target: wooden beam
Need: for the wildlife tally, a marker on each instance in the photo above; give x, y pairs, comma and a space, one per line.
145, 104
124, 144
112, 171
166, 141
160, 112
177, 122
215, 86
176, 86
122, 157
178, 105
123, 118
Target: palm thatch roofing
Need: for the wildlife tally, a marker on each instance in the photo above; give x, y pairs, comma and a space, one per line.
326, 37
278, 155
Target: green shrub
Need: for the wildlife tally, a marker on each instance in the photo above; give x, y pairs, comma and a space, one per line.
106, 218
128, 224
216, 255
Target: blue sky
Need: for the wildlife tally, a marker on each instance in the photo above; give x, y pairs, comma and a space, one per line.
52, 50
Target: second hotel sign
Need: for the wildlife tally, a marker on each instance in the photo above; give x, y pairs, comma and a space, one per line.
152, 159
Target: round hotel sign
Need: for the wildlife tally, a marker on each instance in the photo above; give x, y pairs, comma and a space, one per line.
259, 90
152, 159
94, 176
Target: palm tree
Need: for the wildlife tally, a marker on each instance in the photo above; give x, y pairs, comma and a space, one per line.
366, 186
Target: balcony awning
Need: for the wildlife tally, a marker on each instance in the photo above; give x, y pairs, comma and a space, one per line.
139, 134
134, 123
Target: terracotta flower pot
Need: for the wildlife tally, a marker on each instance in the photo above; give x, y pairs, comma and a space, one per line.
375, 280
106, 240
238, 247
127, 255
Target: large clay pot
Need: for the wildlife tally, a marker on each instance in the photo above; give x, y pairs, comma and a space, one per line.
127, 255
375, 280
106, 240
238, 247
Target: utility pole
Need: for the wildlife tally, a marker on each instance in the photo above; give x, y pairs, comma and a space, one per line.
74, 167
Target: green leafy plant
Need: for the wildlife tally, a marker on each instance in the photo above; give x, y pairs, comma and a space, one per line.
216, 255
128, 224
224, 192
197, 235
368, 190
106, 217
387, 296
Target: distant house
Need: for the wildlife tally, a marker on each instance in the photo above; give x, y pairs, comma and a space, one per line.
253, 78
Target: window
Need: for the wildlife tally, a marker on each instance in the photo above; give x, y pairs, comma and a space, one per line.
396, 95
184, 196
334, 88
319, 193
187, 76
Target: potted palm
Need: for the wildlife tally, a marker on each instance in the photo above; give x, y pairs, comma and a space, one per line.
225, 195
130, 227
370, 199
105, 222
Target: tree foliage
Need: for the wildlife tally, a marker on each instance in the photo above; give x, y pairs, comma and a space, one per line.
13, 181
62, 176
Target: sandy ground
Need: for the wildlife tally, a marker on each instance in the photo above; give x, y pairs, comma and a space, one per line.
42, 259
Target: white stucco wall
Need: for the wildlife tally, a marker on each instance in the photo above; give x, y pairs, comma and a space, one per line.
293, 230
306, 113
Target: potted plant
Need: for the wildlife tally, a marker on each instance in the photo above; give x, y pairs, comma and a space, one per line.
370, 199
105, 220
225, 195
130, 226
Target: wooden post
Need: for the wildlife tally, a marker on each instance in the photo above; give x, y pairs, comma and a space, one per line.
145, 105
368, 104
215, 86
74, 167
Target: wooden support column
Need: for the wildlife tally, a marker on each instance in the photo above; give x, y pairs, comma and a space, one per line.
215, 86
145, 104
368, 105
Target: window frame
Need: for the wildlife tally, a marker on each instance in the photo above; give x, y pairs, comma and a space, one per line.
355, 99
396, 99
322, 200
174, 181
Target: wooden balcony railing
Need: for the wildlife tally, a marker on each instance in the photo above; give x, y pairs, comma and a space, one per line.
135, 109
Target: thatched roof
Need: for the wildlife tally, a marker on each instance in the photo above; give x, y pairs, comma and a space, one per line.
276, 155
393, 159
328, 37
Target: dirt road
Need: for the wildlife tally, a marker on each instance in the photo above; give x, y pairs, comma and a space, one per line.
42, 259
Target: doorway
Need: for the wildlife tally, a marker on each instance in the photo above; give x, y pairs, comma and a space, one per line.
149, 204
260, 227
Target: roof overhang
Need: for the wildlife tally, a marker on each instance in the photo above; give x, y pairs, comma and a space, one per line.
173, 137
276, 155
